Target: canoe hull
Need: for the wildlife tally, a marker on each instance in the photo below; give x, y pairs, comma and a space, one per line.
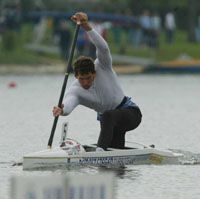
58, 157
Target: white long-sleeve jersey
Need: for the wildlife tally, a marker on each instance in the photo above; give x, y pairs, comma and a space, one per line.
105, 92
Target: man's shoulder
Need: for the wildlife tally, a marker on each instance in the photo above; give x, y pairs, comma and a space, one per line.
75, 86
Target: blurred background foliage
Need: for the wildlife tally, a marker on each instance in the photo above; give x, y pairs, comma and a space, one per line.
186, 13
181, 7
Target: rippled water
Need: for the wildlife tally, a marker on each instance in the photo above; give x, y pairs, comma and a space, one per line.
171, 119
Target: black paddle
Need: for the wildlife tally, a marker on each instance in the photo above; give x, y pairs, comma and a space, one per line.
64, 83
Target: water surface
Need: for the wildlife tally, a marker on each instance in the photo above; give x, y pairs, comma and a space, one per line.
171, 119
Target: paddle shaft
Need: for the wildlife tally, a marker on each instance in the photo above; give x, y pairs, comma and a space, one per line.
64, 83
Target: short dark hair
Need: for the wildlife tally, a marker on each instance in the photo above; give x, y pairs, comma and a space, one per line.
84, 65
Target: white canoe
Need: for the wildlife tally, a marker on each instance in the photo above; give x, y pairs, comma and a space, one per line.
72, 153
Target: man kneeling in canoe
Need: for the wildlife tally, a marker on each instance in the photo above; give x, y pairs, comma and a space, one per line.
96, 87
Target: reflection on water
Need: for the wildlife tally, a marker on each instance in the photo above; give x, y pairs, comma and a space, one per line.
128, 172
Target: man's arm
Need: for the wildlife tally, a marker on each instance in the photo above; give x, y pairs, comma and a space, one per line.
70, 101
69, 104
102, 49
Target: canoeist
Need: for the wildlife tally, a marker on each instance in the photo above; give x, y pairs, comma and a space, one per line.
96, 87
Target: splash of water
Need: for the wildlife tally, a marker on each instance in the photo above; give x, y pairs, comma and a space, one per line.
188, 158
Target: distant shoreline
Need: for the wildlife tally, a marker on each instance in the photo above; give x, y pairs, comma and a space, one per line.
31, 69
57, 68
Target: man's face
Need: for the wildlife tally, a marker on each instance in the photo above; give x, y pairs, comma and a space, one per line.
86, 80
